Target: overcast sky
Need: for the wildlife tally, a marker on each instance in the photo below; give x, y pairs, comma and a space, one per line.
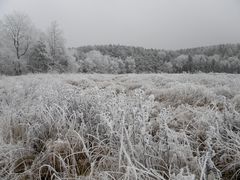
164, 24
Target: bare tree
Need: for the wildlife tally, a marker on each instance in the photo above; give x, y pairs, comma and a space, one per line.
18, 30
55, 41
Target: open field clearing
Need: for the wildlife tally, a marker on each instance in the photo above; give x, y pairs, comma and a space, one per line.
133, 127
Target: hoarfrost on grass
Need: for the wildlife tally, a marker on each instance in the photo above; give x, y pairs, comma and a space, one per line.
161, 126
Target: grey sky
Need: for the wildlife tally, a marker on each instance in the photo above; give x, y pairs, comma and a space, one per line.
167, 24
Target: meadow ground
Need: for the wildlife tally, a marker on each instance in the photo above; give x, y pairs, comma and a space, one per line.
146, 126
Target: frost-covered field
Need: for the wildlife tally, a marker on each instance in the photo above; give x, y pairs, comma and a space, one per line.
165, 126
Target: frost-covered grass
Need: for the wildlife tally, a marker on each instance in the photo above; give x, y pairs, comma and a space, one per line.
165, 126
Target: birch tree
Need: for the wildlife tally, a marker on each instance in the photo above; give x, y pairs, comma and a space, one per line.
17, 29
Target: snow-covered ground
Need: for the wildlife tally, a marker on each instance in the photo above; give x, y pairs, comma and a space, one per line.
146, 126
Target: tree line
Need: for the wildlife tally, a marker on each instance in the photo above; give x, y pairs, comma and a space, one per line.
219, 58
26, 49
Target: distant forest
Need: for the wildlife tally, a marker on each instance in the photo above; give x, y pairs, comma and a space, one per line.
26, 49
219, 58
